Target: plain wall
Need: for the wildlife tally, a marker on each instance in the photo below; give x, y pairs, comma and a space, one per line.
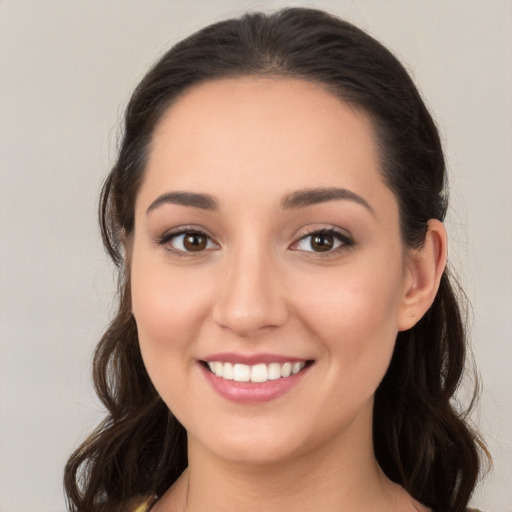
66, 71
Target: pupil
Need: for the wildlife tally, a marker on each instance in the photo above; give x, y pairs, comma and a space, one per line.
194, 242
322, 243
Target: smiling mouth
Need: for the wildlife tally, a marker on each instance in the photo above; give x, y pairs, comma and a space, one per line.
257, 373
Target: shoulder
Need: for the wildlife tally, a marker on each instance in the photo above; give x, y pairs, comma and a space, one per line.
471, 509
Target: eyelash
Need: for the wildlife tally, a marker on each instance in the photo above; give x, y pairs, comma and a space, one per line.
341, 236
168, 236
344, 238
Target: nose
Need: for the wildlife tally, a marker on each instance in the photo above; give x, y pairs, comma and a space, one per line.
250, 298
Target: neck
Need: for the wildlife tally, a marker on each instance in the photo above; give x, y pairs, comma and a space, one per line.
303, 483
341, 474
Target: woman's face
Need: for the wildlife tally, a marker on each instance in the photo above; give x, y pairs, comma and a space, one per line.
266, 243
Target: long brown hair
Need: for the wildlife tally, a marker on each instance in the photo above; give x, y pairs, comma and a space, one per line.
422, 441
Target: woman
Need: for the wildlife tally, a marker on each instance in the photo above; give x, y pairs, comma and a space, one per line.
288, 337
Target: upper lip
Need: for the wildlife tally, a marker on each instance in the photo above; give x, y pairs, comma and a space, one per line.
252, 359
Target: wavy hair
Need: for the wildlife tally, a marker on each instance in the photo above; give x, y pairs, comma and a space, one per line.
422, 438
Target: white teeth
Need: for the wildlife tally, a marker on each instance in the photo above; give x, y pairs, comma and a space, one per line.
257, 373
241, 373
297, 367
274, 371
286, 369
227, 372
217, 369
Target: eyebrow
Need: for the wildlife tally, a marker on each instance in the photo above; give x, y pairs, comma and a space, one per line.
192, 199
297, 199
312, 196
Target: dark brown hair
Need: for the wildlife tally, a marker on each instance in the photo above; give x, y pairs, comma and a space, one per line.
422, 441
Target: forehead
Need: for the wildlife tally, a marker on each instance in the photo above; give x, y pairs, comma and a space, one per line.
251, 132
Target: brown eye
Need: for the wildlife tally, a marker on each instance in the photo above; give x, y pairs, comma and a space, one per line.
194, 242
322, 242
187, 242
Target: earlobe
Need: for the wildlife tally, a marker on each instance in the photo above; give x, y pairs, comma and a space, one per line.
425, 268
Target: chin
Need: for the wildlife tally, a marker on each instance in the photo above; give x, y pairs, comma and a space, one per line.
252, 445
258, 454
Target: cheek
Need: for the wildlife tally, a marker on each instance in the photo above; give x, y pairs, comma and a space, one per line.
359, 301
168, 313
353, 315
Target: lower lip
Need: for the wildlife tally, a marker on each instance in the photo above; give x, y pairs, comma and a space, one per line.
252, 393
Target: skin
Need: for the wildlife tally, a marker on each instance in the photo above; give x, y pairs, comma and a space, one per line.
259, 286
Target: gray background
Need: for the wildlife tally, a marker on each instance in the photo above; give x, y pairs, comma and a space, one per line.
66, 71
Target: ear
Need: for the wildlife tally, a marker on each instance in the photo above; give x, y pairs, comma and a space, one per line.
425, 266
